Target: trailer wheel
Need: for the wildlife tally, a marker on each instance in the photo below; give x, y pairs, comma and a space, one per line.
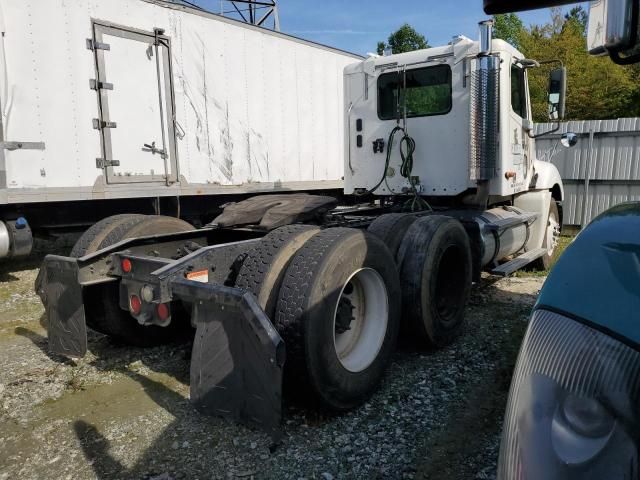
436, 279
102, 309
91, 240
551, 236
264, 267
390, 228
339, 314
154, 225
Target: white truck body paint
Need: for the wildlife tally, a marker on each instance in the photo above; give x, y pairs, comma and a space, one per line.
255, 111
441, 159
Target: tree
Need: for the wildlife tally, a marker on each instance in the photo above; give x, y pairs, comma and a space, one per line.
597, 88
508, 27
405, 39
579, 17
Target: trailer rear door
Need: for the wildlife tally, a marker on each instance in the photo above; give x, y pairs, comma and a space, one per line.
135, 100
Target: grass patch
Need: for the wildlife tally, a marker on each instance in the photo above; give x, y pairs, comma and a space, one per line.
563, 242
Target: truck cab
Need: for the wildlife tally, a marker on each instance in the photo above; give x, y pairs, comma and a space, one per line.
468, 111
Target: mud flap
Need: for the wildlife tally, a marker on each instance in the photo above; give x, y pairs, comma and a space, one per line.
61, 294
237, 359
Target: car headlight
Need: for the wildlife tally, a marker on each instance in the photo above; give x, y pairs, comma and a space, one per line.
573, 409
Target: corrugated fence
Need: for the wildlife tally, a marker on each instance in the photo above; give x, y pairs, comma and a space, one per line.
602, 170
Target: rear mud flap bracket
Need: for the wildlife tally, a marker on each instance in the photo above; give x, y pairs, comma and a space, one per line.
237, 358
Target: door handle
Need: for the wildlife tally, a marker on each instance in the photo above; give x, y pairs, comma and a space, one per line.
153, 149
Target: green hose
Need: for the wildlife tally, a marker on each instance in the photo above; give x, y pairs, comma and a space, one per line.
407, 147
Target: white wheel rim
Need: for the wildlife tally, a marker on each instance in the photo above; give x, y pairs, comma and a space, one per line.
553, 234
359, 346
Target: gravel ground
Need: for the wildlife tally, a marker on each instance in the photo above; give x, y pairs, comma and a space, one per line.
123, 412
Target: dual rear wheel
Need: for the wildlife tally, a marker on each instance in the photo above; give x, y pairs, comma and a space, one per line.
336, 303
334, 295
434, 260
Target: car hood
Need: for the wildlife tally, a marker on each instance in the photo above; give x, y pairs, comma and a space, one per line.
597, 279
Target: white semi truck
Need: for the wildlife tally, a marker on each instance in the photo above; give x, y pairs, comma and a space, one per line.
147, 106
440, 183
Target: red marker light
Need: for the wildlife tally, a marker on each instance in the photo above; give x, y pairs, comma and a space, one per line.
126, 265
163, 311
135, 304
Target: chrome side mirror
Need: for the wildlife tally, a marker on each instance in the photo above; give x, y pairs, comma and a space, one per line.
613, 29
557, 93
569, 139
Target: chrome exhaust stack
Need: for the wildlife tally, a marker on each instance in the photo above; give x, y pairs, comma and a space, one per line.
486, 37
485, 108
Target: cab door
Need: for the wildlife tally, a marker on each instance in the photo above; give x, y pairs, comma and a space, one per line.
521, 144
135, 104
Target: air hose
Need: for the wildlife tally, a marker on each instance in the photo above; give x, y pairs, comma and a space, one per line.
407, 147
387, 160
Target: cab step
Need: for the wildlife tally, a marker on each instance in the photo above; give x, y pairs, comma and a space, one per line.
517, 263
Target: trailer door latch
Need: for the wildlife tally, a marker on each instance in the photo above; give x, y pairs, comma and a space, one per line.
93, 45
99, 124
102, 163
96, 85
153, 149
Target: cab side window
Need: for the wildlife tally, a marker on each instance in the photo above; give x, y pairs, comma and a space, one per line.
428, 92
518, 91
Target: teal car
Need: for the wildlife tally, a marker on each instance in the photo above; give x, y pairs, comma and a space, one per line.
574, 405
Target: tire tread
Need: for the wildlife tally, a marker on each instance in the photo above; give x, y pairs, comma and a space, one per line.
259, 260
84, 244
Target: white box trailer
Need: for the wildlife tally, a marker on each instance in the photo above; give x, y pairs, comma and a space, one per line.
148, 102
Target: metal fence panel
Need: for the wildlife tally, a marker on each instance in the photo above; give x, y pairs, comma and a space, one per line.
602, 170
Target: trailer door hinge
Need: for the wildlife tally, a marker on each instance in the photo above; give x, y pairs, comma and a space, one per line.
96, 85
102, 163
99, 124
93, 45
22, 145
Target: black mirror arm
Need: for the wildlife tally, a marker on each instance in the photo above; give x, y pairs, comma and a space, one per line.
548, 132
492, 7
616, 58
549, 62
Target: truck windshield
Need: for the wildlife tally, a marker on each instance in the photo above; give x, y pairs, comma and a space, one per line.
428, 93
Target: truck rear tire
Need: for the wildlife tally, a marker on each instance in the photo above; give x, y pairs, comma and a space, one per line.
550, 241
264, 267
102, 309
154, 225
93, 238
339, 314
391, 228
436, 279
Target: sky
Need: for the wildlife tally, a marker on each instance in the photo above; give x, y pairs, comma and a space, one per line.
358, 25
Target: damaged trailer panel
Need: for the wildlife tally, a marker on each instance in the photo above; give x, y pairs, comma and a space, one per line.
144, 98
